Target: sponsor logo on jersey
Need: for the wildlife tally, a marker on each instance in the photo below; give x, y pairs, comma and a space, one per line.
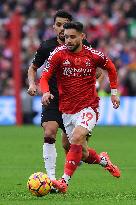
66, 62
77, 72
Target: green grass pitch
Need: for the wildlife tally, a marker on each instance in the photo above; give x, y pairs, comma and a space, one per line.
21, 155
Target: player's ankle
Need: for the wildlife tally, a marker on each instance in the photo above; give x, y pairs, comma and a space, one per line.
66, 178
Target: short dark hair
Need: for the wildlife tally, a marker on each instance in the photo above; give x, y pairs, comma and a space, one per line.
63, 14
75, 25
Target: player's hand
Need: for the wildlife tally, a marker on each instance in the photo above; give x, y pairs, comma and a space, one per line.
115, 101
46, 98
32, 90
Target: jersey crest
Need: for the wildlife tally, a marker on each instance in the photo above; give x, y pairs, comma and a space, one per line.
77, 61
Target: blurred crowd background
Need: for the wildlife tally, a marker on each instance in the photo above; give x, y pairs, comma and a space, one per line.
110, 26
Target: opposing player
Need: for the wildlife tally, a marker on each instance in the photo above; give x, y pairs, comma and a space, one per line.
75, 67
51, 117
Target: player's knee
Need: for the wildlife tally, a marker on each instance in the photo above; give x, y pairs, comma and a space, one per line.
49, 135
76, 139
49, 140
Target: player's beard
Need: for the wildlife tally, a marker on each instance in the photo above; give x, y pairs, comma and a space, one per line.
61, 37
73, 48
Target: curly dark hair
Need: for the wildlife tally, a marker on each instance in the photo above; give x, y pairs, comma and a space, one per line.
63, 14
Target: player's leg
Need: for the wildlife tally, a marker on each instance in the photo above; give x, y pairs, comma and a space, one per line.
66, 146
73, 158
77, 126
65, 142
77, 137
49, 150
78, 149
93, 157
77, 133
90, 156
49, 121
88, 120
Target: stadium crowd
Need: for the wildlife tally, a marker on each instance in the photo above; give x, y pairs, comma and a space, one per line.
110, 26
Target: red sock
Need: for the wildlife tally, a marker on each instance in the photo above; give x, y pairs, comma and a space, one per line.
93, 157
72, 159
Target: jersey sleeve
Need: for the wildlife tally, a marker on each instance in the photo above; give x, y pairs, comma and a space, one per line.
41, 55
112, 73
105, 63
52, 65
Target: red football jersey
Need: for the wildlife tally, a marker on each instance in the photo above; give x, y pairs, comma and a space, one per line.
76, 77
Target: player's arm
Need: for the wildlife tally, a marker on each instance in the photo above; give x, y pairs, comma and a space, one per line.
32, 70
99, 72
103, 62
44, 86
38, 61
112, 73
51, 66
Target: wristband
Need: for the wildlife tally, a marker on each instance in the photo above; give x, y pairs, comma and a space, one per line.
114, 92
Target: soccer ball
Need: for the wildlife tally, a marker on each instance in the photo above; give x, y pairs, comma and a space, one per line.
39, 184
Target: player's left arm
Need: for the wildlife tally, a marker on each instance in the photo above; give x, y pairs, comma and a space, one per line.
99, 72
103, 62
112, 73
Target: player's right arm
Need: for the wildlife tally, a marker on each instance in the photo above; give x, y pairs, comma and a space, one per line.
32, 70
40, 56
51, 66
44, 86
